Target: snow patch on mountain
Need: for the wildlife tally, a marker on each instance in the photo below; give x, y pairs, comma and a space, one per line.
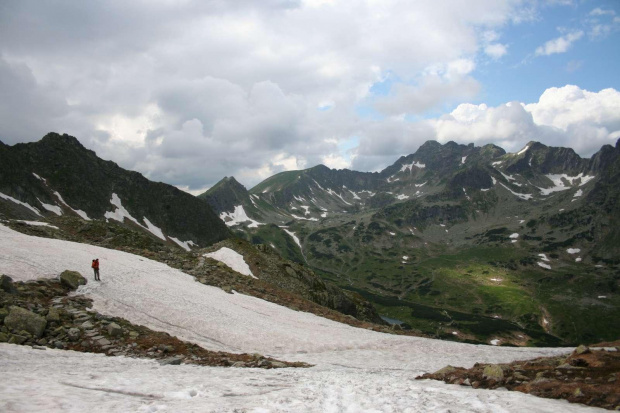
522, 196
183, 244
573, 250
559, 185
238, 216
81, 213
18, 202
52, 208
543, 265
303, 218
38, 224
409, 167
522, 151
232, 259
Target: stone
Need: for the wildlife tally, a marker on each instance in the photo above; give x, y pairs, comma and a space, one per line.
53, 315
466, 382
6, 284
115, 330
278, 364
581, 350
238, 364
445, 371
59, 344
578, 392
87, 325
21, 319
3, 313
74, 334
72, 279
171, 361
103, 342
17, 339
4, 338
493, 372
39, 348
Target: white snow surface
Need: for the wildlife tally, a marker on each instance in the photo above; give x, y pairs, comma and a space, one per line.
522, 196
183, 244
292, 234
573, 250
52, 208
233, 259
18, 202
558, 182
81, 213
237, 217
463, 159
543, 265
410, 166
356, 370
38, 224
402, 197
304, 218
522, 151
121, 213
514, 236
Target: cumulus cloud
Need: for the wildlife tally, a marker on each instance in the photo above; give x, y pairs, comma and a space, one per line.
496, 50
560, 44
189, 92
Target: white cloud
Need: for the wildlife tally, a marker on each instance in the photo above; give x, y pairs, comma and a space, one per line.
496, 50
601, 12
559, 45
566, 116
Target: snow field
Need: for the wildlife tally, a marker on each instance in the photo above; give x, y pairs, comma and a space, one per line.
356, 369
232, 259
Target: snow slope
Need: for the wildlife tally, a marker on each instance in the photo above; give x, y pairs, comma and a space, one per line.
356, 369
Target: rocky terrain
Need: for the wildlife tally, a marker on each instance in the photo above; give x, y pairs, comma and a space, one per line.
456, 241
43, 314
589, 376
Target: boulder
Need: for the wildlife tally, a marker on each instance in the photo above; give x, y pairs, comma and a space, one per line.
3, 338
53, 315
20, 319
171, 361
115, 330
72, 279
74, 334
17, 339
444, 371
581, 350
6, 284
3, 313
493, 372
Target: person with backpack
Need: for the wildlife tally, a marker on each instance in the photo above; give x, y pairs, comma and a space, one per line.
95, 267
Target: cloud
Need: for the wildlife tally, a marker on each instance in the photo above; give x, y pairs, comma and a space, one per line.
559, 45
188, 92
496, 50
568, 116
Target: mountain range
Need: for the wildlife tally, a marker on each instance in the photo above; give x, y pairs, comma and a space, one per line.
453, 241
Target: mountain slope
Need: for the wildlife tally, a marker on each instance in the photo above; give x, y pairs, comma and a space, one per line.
57, 176
528, 237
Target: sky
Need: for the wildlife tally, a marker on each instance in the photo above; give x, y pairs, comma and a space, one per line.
187, 92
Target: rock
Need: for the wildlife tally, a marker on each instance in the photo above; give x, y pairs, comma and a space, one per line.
171, 361
445, 371
103, 342
74, 334
493, 372
59, 344
519, 376
6, 284
466, 382
72, 279
238, 364
42, 342
3, 338
39, 348
53, 315
87, 325
115, 330
581, 350
3, 313
278, 364
578, 392
17, 339
21, 319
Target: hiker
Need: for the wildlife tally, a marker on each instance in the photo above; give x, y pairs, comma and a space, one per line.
95, 267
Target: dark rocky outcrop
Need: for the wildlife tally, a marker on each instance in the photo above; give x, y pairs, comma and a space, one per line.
72, 279
87, 183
